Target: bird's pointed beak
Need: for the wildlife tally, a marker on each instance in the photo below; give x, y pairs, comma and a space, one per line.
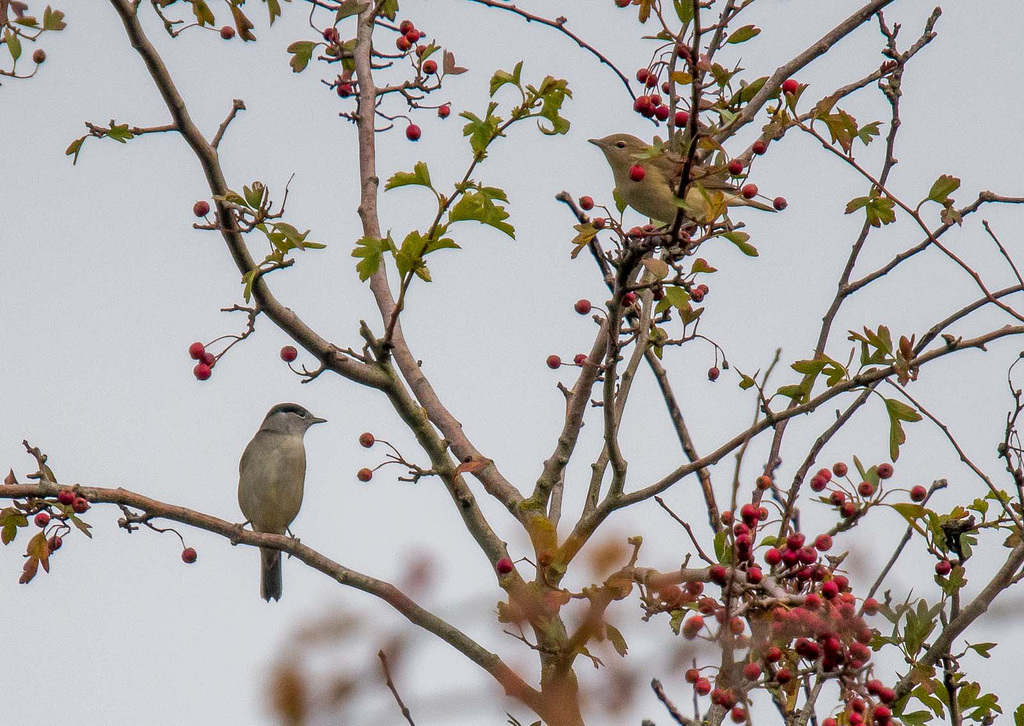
595, 142
316, 420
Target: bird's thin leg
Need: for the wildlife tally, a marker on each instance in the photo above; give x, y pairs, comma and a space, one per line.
238, 529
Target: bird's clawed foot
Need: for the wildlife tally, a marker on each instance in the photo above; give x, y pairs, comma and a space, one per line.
237, 531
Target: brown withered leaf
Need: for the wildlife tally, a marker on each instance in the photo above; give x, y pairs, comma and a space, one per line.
10, 479
448, 64
473, 465
243, 24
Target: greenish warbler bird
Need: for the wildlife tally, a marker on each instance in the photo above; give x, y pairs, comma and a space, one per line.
708, 196
271, 476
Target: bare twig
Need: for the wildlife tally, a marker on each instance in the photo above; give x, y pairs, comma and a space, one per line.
391, 685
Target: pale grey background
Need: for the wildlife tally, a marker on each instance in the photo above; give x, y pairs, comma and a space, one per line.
104, 284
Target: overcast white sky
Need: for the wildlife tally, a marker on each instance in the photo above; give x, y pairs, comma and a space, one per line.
104, 285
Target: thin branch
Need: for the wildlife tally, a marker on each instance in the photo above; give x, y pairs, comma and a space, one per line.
391, 685
236, 106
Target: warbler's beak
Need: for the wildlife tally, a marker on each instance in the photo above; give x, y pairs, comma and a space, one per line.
316, 420
595, 142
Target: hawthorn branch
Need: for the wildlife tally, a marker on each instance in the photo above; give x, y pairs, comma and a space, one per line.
513, 685
236, 106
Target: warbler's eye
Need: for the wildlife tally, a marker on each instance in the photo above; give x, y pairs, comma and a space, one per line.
621, 144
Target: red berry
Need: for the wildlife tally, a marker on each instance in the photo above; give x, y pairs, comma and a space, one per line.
738, 713
749, 191
692, 675
444, 111
403, 43
42, 519
412, 132
839, 468
405, 26
629, 298
366, 440
837, 498
661, 112
847, 510
702, 686
201, 372
759, 147
918, 493
196, 351
201, 208
66, 497
713, 373
227, 32
886, 695
207, 359
866, 488
735, 167
790, 86
829, 590
81, 505
754, 575
829, 722
582, 306
504, 566
682, 118
622, 3
817, 483
54, 543
812, 601
773, 655
823, 543
598, 222
554, 362
637, 173
795, 541
643, 106
772, 556
871, 606
580, 359
780, 203
884, 470
943, 568
763, 482
188, 555
651, 82
697, 295
288, 353
784, 675
331, 34
430, 67
718, 574
364, 474
641, 75
344, 89
726, 517
586, 203
692, 626
38, 56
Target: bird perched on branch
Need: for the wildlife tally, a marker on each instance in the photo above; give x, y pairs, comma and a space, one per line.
647, 180
271, 475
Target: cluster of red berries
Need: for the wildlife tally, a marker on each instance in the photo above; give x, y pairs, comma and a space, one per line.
865, 490
650, 105
70, 502
206, 361
408, 37
366, 440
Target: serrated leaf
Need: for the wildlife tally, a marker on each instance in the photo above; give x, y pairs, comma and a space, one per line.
243, 25
746, 382
53, 19
480, 207
501, 78
869, 131
739, 239
617, 641
943, 187
349, 7
119, 133
448, 64
389, 9
274, 8
419, 176
676, 621
898, 412
370, 249
204, 16
481, 131
743, 34
302, 52
880, 210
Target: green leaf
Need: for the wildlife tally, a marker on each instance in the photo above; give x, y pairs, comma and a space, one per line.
370, 249
867, 131
1018, 715
842, 127
119, 133
479, 206
942, 188
82, 525
74, 148
274, 8
53, 19
658, 268
28, 21
350, 7
618, 642
389, 9
302, 52
720, 544
13, 43
204, 16
684, 11
419, 176
750, 90
898, 412
880, 210
501, 78
740, 240
481, 131
983, 649
743, 34
553, 92
620, 203
676, 621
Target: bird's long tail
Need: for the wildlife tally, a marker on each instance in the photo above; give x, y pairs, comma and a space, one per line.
270, 574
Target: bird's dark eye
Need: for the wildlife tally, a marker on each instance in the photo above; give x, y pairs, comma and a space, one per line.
621, 144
